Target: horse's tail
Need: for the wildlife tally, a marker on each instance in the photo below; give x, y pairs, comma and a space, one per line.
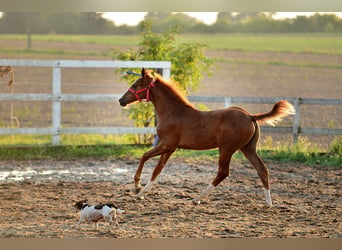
279, 111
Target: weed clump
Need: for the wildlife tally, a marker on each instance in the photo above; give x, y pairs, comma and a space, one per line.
336, 145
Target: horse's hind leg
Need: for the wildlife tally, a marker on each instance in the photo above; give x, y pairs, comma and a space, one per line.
262, 172
250, 152
222, 173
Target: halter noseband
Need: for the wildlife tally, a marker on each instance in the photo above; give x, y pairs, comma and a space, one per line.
147, 89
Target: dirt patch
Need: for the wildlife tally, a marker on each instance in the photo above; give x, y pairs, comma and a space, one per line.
37, 199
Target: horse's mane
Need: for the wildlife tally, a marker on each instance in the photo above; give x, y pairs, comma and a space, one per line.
172, 87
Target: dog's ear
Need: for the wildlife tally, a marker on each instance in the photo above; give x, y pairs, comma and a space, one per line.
78, 205
85, 200
112, 205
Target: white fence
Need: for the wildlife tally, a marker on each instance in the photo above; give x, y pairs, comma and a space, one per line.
56, 97
296, 129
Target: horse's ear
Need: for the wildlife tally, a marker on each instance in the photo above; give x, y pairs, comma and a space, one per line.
143, 72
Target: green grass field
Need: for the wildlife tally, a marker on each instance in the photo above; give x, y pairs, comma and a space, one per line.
294, 43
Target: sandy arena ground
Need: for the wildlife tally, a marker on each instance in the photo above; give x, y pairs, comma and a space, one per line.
37, 199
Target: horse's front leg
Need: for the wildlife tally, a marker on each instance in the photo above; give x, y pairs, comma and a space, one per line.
158, 150
158, 168
138, 173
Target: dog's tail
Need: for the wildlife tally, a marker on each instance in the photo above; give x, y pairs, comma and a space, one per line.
120, 211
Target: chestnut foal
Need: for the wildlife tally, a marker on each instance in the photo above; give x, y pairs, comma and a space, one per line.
180, 125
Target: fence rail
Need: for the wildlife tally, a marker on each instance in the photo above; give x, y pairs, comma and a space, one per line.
56, 97
296, 129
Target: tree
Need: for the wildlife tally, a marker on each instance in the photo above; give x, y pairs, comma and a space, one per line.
188, 65
13, 22
326, 23
93, 23
223, 22
303, 24
63, 23
19, 22
55, 22
161, 21
262, 22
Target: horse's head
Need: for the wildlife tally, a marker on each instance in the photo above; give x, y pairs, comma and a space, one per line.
140, 90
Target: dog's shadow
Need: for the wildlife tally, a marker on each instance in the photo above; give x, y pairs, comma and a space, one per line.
88, 230
108, 233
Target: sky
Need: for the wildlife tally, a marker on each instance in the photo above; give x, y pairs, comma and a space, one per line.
133, 18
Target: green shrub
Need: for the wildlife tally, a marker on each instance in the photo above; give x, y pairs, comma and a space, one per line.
188, 65
336, 145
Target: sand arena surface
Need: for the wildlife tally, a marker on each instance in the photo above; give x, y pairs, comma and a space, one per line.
37, 199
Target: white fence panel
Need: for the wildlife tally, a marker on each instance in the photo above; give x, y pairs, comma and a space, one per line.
56, 97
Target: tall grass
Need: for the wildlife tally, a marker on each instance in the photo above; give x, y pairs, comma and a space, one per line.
303, 151
336, 145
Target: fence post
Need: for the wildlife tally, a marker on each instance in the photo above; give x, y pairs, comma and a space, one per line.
296, 120
227, 101
166, 73
56, 104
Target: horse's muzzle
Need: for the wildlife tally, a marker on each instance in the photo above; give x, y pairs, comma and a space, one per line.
122, 102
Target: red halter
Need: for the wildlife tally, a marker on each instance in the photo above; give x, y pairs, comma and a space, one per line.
147, 89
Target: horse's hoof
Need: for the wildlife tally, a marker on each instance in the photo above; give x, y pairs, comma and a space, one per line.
196, 202
266, 206
137, 190
140, 197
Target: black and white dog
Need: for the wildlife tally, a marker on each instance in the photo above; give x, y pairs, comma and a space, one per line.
94, 213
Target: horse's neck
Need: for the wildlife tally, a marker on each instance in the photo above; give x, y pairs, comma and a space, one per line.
166, 102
